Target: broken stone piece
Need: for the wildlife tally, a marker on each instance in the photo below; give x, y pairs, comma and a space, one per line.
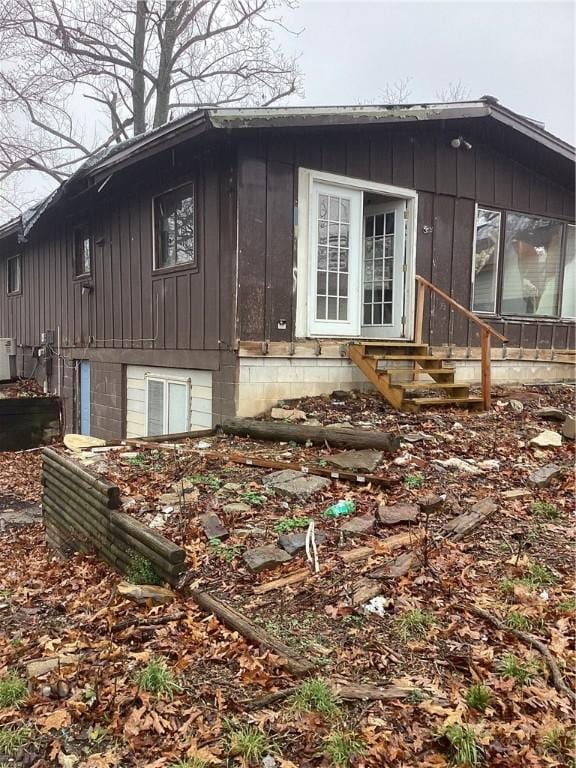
455, 463
41, 667
516, 406
340, 425
212, 526
290, 414
397, 513
296, 542
141, 593
365, 460
515, 493
547, 439
359, 526
236, 508
264, 558
79, 442
288, 482
231, 487
550, 414
430, 503
544, 476
484, 507
569, 428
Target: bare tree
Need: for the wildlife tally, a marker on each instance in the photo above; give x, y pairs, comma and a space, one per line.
141, 62
400, 91
454, 92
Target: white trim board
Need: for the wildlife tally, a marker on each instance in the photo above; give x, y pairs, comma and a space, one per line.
306, 179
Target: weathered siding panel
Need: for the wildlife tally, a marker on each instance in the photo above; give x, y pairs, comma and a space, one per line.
418, 156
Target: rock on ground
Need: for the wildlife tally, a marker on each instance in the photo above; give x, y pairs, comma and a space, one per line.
544, 476
264, 558
397, 513
359, 526
288, 482
569, 428
296, 542
551, 414
547, 439
141, 593
212, 526
365, 460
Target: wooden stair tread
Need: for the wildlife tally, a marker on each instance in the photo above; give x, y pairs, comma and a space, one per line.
406, 357
445, 400
387, 344
429, 371
432, 385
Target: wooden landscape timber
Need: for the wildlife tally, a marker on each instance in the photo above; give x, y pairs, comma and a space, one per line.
81, 512
303, 433
233, 619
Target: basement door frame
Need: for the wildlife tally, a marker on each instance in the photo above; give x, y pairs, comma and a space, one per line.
303, 236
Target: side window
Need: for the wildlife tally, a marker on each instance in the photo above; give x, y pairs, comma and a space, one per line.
82, 252
175, 228
569, 285
485, 266
167, 409
14, 275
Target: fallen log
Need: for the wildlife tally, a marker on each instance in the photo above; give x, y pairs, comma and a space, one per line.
236, 621
302, 433
531, 641
364, 692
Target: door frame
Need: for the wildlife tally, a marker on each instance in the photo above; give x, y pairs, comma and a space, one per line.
399, 274
304, 238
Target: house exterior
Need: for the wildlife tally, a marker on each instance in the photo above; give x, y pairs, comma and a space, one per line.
224, 261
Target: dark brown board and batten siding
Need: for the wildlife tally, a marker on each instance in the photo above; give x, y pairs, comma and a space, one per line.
496, 172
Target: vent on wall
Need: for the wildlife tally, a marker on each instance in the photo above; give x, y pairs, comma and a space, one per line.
7, 359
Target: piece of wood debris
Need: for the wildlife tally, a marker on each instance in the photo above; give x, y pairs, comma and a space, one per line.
236, 621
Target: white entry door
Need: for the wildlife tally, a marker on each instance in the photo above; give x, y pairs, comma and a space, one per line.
383, 271
335, 266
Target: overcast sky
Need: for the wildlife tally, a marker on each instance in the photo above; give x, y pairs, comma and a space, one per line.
520, 51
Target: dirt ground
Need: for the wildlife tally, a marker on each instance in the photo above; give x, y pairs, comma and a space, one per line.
425, 638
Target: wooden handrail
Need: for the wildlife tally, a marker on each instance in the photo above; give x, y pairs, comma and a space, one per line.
486, 331
463, 311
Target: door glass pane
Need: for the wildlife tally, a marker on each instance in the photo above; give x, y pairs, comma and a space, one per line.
531, 265
177, 394
485, 264
569, 288
378, 272
333, 261
155, 407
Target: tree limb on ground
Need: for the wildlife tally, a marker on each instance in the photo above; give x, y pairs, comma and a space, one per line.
530, 640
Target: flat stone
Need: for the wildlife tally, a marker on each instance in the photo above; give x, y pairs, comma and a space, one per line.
516, 406
484, 507
80, 442
288, 482
212, 526
569, 428
550, 414
296, 542
398, 513
264, 558
544, 476
459, 464
141, 593
231, 487
359, 526
41, 667
516, 493
290, 414
339, 425
236, 508
366, 460
547, 439
340, 394
430, 503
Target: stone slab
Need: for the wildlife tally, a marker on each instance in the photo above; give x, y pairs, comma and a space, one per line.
236, 508
365, 460
296, 542
569, 428
398, 513
430, 503
550, 414
547, 439
212, 526
543, 477
288, 482
359, 526
265, 558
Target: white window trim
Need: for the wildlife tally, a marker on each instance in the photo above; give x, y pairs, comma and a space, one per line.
17, 258
487, 312
166, 381
304, 237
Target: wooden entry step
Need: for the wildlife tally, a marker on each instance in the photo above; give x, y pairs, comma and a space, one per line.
414, 394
